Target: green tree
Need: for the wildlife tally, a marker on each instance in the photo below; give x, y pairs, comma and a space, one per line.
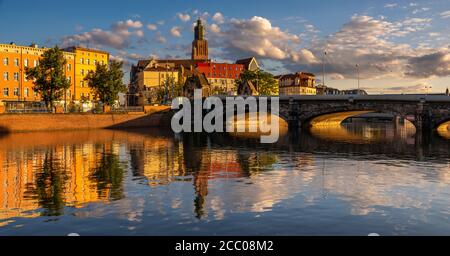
49, 75
107, 82
109, 175
169, 89
265, 82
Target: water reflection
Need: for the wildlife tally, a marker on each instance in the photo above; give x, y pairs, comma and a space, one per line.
364, 133
154, 182
49, 178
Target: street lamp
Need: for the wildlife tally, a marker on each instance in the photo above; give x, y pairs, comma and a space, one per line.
427, 87
323, 68
357, 70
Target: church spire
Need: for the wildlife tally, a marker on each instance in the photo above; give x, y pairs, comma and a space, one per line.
199, 30
199, 45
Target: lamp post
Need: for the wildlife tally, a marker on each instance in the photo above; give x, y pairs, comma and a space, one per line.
323, 68
357, 70
427, 87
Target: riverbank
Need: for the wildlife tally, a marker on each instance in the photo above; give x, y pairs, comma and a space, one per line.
155, 117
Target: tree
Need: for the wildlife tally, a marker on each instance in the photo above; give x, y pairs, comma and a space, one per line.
265, 82
107, 82
170, 89
49, 75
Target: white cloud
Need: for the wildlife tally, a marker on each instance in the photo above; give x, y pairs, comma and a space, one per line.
184, 17
160, 38
256, 36
117, 37
175, 31
390, 5
304, 56
336, 76
214, 28
218, 17
152, 27
445, 14
434, 34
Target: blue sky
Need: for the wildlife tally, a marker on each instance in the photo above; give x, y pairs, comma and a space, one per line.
400, 46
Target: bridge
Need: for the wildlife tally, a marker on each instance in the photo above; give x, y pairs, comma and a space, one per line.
426, 112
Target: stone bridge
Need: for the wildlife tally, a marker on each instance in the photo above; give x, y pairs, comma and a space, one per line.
426, 112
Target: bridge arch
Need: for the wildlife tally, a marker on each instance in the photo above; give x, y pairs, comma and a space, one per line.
336, 118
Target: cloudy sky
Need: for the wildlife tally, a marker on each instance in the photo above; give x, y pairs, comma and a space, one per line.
399, 46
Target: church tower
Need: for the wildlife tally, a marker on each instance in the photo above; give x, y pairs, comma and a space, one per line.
199, 45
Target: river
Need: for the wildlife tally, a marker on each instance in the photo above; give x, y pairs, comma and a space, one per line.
353, 179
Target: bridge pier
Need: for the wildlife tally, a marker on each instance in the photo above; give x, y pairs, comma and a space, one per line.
423, 118
294, 122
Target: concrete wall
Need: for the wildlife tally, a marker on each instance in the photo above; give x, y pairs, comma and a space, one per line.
45, 122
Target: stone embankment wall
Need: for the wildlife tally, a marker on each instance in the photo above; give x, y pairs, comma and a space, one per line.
154, 117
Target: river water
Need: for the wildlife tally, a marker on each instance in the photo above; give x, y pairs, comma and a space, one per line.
353, 179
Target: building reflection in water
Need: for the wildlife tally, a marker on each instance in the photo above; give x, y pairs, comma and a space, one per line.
43, 179
368, 166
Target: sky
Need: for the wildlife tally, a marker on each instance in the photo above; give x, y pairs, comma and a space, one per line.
397, 46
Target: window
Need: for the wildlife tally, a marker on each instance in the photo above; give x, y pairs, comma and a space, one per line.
26, 92
95, 62
35, 63
25, 63
82, 61
69, 67
82, 84
82, 72
102, 62
69, 79
35, 93
88, 61
16, 76
5, 91
6, 76
5, 61
25, 77
16, 62
16, 91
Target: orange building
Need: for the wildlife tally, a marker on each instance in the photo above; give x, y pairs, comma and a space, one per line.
14, 85
85, 61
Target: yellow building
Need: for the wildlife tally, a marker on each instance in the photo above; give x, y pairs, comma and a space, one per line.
149, 76
300, 83
85, 61
14, 85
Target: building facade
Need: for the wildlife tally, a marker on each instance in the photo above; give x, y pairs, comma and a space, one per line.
14, 85
250, 64
221, 76
85, 62
300, 83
